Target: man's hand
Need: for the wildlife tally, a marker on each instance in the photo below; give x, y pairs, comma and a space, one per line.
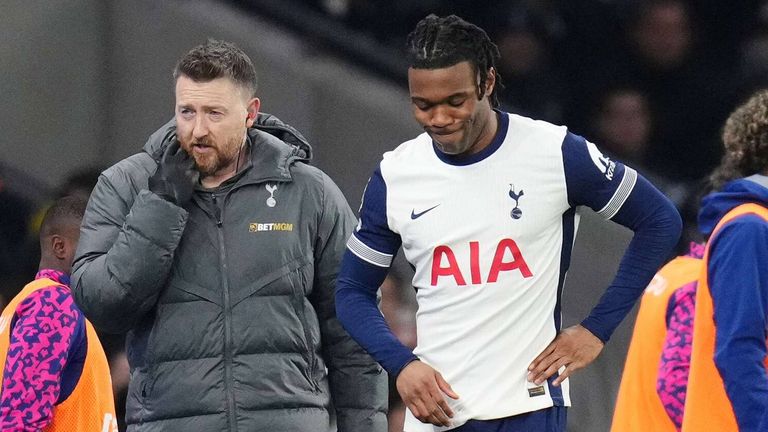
422, 389
574, 348
176, 176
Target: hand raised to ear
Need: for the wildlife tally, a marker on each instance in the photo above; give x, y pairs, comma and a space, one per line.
176, 176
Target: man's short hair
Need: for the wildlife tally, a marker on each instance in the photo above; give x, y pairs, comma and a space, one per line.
218, 59
62, 215
441, 42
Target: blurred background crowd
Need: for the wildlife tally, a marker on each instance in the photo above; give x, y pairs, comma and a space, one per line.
649, 81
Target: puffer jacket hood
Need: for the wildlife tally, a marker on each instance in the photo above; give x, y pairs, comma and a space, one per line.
753, 189
299, 148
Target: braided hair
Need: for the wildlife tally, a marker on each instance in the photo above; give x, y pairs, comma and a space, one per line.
441, 42
745, 136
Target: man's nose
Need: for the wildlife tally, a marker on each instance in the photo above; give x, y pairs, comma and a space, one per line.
440, 117
201, 127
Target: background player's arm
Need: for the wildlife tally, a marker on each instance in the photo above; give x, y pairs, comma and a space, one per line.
45, 329
675, 361
738, 283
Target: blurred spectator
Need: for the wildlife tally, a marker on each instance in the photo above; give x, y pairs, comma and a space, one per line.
753, 55
623, 124
532, 85
689, 96
624, 127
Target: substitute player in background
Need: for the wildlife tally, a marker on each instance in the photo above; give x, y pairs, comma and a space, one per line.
728, 383
484, 207
652, 392
55, 373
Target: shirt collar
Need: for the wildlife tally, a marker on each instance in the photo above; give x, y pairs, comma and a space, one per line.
54, 275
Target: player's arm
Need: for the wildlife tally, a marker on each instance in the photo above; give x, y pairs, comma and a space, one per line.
620, 194
738, 283
358, 385
675, 361
45, 330
369, 254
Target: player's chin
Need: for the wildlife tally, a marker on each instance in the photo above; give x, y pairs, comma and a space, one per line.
449, 144
450, 147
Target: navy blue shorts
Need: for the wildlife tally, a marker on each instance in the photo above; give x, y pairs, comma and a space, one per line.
545, 420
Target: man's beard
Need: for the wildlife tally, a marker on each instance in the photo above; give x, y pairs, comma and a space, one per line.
219, 158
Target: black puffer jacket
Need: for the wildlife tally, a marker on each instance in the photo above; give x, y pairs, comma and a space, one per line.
229, 302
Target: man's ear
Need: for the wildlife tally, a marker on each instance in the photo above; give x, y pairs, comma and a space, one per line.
59, 246
253, 111
490, 82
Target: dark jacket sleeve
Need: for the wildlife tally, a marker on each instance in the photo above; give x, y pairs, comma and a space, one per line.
127, 241
358, 384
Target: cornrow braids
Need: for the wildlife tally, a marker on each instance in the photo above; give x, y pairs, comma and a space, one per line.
745, 137
440, 42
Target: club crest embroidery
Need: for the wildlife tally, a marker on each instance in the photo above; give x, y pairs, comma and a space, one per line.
516, 213
271, 201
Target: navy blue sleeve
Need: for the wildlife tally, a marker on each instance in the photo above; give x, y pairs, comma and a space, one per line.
75, 360
618, 193
366, 262
738, 283
594, 180
358, 312
373, 240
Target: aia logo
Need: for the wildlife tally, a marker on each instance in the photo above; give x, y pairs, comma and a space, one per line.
516, 213
444, 263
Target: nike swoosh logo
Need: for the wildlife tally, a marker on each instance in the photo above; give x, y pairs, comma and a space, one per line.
415, 215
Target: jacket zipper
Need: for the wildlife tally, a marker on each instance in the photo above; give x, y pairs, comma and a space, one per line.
228, 375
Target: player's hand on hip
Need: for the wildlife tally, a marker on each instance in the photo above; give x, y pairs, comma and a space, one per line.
422, 389
575, 347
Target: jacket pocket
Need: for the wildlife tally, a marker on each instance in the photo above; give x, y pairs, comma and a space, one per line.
139, 392
298, 299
